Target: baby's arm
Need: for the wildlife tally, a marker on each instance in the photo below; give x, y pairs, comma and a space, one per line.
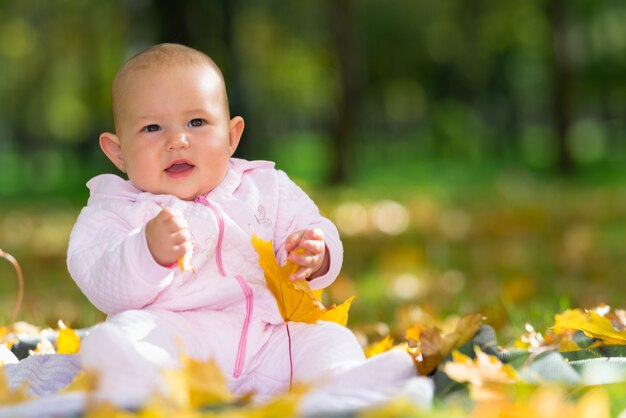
110, 261
297, 214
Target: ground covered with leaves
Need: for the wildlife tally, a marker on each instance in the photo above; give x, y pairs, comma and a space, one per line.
576, 367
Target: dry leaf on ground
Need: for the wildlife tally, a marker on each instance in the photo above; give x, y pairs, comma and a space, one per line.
434, 346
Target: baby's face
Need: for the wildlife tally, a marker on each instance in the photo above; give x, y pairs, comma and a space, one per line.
174, 130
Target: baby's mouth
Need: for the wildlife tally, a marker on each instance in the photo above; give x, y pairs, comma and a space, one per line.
179, 168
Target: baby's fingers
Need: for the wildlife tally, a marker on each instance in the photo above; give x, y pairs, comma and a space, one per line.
313, 246
301, 274
304, 260
181, 236
182, 248
293, 240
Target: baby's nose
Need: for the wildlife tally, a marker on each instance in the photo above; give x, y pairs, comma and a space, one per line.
177, 141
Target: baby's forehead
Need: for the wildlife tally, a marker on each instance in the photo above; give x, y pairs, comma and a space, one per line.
134, 73
127, 81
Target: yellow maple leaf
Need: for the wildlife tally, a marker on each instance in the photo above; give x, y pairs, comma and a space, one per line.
281, 406
594, 404
486, 374
413, 334
545, 401
6, 337
399, 406
591, 324
483, 369
379, 347
184, 262
85, 381
197, 384
433, 345
68, 342
106, 410
9, 396
338, 314
295, 299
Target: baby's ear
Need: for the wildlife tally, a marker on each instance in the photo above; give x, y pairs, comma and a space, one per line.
235, 130
110, 145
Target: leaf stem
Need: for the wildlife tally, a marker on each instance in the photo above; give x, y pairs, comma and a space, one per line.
290, 357
20, 283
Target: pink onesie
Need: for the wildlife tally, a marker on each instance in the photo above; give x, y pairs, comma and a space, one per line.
223, 309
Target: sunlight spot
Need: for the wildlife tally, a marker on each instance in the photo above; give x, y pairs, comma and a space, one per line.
455, 224
452, 281
50, 238
425, 212
406, 287
390, 217
17, 228
578, 245
351, 218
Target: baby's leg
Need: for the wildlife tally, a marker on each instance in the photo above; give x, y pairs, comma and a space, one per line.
328, 359
323, 355
127, 352
330, 355
316, 350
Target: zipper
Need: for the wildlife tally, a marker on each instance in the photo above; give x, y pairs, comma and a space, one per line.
247, 290
243, 339
220, 237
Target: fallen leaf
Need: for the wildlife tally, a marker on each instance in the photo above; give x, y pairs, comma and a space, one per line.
594, 404
399, 406
591, 324
68, 342
483, 369
85, 381
44, 346
545, 402
563, 340
413, 334
197, 384
281, 406
379, 347
434, 346
486, 374
107, 410
9, 396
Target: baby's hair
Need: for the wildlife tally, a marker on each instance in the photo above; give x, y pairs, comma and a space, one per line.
160, 55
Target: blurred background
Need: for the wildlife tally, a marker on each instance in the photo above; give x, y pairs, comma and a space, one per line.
471, 153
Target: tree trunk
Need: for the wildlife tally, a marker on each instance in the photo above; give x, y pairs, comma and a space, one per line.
343, 123
561, 83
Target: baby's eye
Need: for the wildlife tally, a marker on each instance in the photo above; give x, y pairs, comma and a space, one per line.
196, 122
151, 128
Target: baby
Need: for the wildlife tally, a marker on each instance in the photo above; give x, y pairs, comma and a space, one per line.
185, 195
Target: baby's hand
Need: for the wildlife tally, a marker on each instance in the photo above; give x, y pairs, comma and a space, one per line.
168, 237
312, 259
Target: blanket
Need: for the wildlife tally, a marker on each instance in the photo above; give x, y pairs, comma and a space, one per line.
46, 376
